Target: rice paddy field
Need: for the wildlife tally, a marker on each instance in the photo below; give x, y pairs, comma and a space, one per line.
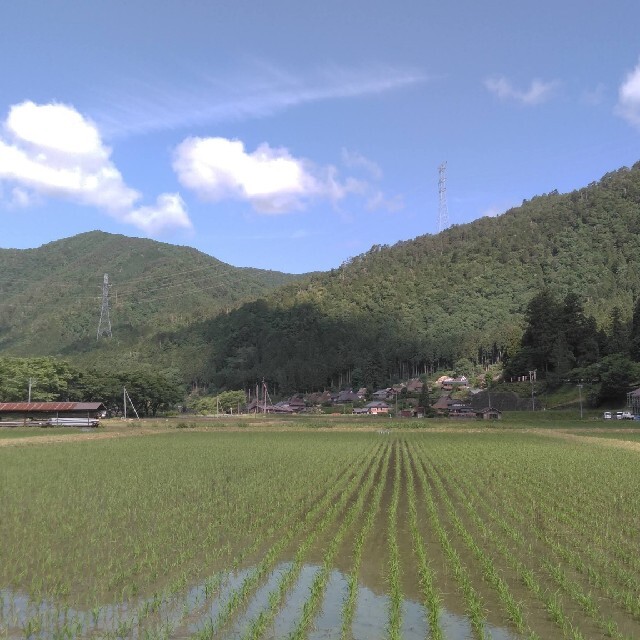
358, 535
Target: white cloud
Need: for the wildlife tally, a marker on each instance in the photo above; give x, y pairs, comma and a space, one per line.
628, 106
270, 179
537, 93
52, 150
169, 211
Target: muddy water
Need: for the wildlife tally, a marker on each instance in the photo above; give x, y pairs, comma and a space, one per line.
370, 619
189, 614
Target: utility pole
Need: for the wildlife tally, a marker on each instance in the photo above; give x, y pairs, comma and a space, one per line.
580, 391
31, 383
128, 397
532, 377
104, 326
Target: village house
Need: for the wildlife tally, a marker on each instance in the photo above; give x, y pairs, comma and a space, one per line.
319, 397
415, 386
462, 411
347, 396
377, 407
453, 384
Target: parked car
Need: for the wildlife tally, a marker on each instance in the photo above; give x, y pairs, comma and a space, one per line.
607, 415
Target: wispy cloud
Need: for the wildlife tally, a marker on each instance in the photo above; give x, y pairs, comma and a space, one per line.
538, 92
264, 91
628, 106
355, 160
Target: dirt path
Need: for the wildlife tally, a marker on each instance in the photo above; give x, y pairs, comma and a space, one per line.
585, 439
77, 437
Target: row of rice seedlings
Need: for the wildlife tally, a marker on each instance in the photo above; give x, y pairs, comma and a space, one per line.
585, 600
258, 626
426, 575
129, 549
588, 517
515, 614
574, 544
551, 601
321, 498
474, 605
319, 584
528, 578
568, 536
350, 600
169, 598
395, 590
240, 595
617, 583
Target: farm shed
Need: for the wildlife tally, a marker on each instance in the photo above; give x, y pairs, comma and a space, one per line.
63, 413
489, 413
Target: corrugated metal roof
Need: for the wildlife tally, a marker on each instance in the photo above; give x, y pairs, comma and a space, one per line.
48, 407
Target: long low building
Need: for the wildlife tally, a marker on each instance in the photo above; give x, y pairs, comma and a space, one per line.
62, 413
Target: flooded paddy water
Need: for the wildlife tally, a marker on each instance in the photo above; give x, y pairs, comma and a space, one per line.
458, 536
188, 618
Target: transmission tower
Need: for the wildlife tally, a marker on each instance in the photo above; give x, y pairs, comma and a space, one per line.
104, 326
443, 212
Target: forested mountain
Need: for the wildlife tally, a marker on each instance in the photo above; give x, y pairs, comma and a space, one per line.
397, 311
50, 297
392, 312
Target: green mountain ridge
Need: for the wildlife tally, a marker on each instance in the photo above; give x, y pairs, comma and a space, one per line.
421, 304
50, 297
392, 312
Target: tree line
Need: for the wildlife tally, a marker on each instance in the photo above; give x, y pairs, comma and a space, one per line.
151, 391
561, 342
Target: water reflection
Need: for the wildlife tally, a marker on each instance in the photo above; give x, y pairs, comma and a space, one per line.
182, 615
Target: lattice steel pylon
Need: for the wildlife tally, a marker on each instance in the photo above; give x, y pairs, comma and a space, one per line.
443, 211
104, 326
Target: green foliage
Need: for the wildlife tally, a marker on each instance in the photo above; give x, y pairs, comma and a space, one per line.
225, 402
394, 312
558, 337
151, 390
51, 379
50, 298
390, 313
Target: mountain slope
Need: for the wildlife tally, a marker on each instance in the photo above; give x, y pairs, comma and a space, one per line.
50, 297
396, 311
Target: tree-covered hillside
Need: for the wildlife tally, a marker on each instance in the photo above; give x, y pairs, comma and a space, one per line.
50, 297
392, 312
397, 311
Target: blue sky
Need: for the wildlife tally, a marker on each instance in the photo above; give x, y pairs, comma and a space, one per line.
291, 136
